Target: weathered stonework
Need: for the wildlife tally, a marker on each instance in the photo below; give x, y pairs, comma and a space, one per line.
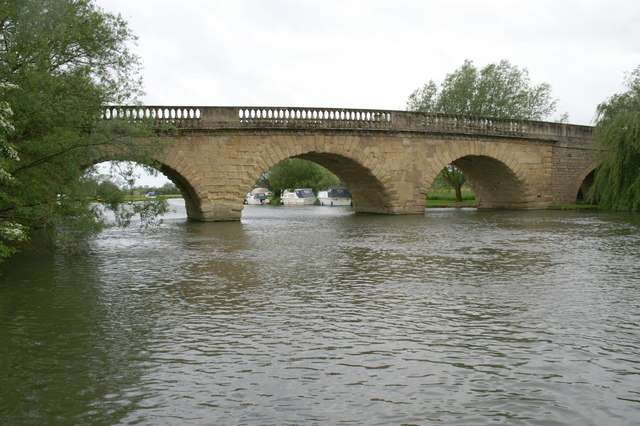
388, 159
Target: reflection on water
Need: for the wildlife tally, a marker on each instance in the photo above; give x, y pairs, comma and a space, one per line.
320, 315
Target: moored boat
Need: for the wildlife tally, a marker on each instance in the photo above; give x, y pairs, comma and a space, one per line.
298, 197
335, 196
257, 196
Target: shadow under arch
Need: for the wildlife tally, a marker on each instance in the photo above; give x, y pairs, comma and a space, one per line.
495, 184
585, 183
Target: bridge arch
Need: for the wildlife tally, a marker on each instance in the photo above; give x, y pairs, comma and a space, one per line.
176, 168
349, 160
369, 193
497, 177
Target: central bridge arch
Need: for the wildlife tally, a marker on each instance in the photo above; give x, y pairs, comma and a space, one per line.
350, 157
368, 192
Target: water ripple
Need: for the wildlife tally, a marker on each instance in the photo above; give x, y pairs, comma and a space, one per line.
321, 316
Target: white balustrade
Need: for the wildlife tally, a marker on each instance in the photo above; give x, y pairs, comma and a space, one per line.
339, 118
314, 116
163, 114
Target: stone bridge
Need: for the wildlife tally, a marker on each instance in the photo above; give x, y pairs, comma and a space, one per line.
388, 159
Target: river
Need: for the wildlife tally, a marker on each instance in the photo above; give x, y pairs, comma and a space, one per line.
318, 315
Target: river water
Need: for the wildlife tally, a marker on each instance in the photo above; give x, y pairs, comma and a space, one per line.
317, 315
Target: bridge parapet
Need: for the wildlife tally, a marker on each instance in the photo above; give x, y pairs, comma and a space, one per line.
211, 118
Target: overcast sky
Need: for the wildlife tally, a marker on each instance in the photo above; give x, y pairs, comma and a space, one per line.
374, 53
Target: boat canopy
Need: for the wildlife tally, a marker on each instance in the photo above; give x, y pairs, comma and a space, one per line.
338, 192
304, 193
259, 191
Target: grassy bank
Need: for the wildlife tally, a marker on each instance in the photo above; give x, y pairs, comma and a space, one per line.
450, 203
448, 199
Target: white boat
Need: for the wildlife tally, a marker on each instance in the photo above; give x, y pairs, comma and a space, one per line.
335, 196
256, 199
257, 196
298, 197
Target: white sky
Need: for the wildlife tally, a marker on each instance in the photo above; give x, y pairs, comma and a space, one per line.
374, 53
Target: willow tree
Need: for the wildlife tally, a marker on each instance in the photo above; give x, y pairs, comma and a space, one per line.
499, 90
61, 61
617, 134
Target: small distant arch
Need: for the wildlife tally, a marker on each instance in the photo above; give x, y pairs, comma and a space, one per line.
586, 183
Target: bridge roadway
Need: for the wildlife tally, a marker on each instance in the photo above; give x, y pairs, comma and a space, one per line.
388, 159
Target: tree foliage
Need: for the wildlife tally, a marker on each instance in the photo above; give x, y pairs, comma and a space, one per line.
110, 192
10, 231
297, 173
617, 134
169, 188
499, 90
61, 61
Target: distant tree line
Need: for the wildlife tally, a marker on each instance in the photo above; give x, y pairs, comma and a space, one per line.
107, 188
295, 173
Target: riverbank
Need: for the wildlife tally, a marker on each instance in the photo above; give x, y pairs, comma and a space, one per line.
448, 199
442, 199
